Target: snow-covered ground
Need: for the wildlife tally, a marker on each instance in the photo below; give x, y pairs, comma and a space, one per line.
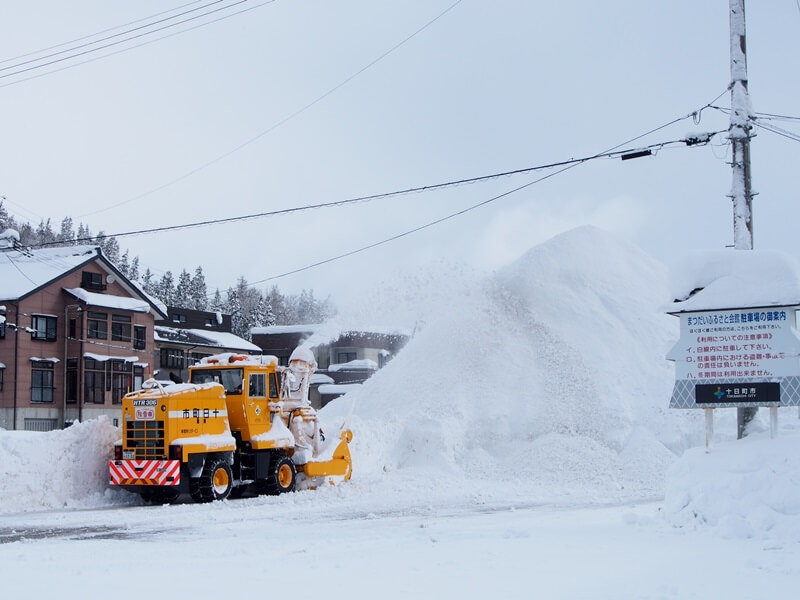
519, 446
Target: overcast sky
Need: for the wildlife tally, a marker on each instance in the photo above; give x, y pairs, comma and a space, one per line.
487, 87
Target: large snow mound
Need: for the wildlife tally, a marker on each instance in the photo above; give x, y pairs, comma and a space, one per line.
549, 377
744, 489
60, 468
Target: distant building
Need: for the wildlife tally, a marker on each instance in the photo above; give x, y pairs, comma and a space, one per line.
75, 336
188, 335
342, 364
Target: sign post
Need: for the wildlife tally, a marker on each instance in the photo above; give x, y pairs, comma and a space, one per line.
737, 358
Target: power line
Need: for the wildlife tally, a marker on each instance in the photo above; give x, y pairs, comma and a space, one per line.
19, 71
396, 193
569, 165
90, 36
779, 131
281, 122
145, 43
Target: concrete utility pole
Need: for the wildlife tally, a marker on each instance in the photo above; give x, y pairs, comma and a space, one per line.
739, 134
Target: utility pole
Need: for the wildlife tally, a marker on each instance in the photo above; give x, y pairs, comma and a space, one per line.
739, 134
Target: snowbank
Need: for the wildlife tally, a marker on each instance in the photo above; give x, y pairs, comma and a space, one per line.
744, 489
60, 468
548, 378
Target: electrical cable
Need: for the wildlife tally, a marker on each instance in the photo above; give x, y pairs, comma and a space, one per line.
281, 122
364, 199
145, 43
90, 36
116, 43
469, 208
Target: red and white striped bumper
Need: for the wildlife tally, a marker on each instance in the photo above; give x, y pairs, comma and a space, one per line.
144, 472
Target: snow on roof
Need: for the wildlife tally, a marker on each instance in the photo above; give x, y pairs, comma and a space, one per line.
273, 329
203, 337
2, 366
52, 359
103, 358
730, 279
23, 273
354, 364
320, 378
109, 300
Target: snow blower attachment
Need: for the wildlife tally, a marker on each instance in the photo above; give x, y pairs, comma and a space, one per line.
241, 423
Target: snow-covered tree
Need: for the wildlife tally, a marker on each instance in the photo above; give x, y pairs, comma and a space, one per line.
198, 293
45, 233
67, 234
84, 235
183, 290
148, 285
124, 265
165, 290
133, 271
217, 304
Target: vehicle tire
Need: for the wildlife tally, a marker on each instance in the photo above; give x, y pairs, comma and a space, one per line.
282, 476
214, 483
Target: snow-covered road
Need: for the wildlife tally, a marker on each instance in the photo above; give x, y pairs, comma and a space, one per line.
307, 544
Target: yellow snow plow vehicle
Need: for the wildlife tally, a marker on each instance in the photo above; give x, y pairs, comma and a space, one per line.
242, 422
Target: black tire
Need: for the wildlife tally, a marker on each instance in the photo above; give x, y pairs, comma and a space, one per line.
214, 483
282, 476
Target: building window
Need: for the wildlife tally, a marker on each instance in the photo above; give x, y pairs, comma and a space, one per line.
172, 358
73, 328
43, 327
97, 325
2, 370
2, 330
121, 380
72, 380
176, 318
138, 377
346, 357
139, 337
42, 381
92, 281
209, 322
94, 382
121, 328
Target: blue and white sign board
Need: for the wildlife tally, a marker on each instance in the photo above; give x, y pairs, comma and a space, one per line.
737, 358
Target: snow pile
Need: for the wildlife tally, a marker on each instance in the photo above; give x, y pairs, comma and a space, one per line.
744, 489
549, 377
66, 467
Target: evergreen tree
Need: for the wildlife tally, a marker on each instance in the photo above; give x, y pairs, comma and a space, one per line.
217, 305
110, 247
165, 290
148, 285
124, 266
183, 290
67, 234
198, 293
233, 307
133, 270
27, 236
84, 236
45, 233
5, 220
